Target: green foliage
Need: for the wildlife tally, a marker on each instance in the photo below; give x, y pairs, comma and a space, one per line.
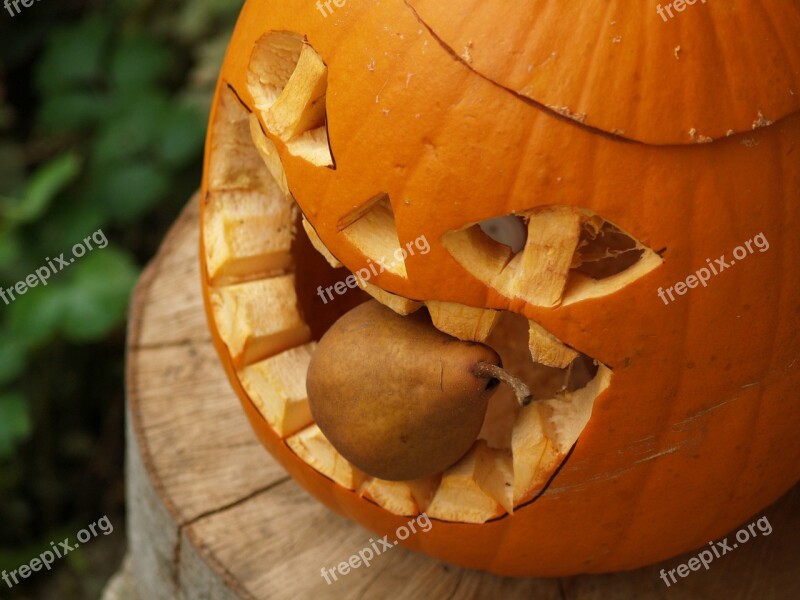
119, 131
103, 109
50, 179
15, 422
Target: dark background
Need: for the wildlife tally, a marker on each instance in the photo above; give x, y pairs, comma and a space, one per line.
103, 109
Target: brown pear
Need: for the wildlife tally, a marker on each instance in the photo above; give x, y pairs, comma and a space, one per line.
397, 397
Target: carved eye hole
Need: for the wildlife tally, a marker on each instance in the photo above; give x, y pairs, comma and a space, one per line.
288, 81
551, 255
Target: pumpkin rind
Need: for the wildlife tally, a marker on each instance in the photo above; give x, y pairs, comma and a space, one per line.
697, 431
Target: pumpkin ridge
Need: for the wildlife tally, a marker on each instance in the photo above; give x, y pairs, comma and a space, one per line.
561, 116
711, 72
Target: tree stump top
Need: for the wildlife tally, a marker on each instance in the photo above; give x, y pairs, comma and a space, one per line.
212, 515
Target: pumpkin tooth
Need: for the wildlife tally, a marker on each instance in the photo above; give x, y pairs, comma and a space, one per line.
233, 162
374, 233
566, 415
547, 349
394, 496
460, 497
313, 147
259, 319
494, 473
288, 81
314, 449
405, 498
463, 322
320, 246
423, 490
246, 236
534, 456
301, 105
539, 273
269, 154
477, 252
399, 304
359, 212
277, 386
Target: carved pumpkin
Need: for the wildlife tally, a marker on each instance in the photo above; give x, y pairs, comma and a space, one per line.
626, 154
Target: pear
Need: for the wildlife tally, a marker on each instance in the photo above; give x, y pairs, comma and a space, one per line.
398, 398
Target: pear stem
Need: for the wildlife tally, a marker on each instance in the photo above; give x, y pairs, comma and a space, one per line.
521, 391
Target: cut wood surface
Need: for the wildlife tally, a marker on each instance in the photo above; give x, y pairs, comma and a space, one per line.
212, 515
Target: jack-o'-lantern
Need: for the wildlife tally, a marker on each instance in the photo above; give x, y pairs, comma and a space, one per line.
605, 197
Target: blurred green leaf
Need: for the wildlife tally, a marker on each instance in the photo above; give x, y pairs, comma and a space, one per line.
12, 168
35, 317
15, 422
138, 62
182, 136
10, 249
129, 190
194, 19
12, 358
84, 301
78, 562
67, 111
42, 187
98, 294
134, 130
68, 222
74, 55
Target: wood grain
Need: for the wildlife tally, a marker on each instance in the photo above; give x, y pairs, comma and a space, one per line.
211, 515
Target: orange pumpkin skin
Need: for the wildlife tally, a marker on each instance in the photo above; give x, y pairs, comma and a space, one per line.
697, 432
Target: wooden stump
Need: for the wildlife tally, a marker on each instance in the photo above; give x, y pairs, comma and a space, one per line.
211, 515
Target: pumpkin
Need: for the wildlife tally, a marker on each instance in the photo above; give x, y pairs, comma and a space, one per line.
570, 169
